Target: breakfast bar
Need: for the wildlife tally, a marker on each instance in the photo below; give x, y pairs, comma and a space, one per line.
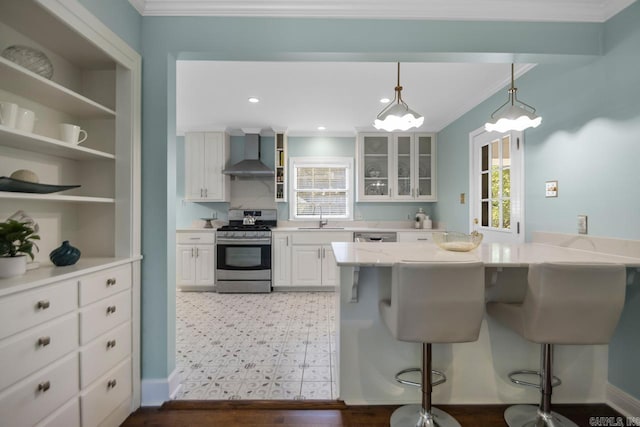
369, 357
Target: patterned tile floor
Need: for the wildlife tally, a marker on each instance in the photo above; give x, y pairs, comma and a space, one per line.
256, 346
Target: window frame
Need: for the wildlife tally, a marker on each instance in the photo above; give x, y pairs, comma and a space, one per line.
346, 162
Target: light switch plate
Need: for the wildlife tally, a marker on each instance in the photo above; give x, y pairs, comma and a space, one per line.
551, 189
582, 224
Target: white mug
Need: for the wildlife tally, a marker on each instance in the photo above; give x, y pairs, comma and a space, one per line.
71, 133
8, 114
26, 120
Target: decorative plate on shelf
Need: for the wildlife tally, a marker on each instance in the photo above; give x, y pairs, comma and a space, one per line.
30, 58
18, 186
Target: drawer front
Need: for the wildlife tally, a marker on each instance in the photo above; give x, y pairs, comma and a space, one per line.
104, 283
39, 395
105, 395
196, 238
37, 348
320, 237
416, 236
104, 353
103, 315
67, 416
26, 309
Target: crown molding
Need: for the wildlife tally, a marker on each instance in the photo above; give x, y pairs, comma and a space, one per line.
465, 10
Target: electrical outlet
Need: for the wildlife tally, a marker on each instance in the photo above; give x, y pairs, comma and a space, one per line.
582, 224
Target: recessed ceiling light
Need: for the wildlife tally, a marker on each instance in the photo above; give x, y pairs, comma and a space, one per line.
254, 100
321, 128
385, 100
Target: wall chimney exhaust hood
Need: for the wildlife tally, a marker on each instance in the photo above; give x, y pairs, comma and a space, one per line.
251, 165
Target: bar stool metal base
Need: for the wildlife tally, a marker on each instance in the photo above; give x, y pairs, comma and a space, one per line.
530, 416
413, 416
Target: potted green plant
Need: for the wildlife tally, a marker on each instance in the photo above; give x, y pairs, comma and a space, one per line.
16, 242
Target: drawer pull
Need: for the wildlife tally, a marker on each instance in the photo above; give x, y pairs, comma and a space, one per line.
44, 341
111, 309
111, 344
111, 281
423, 238
43, 304
111, 384
44, 386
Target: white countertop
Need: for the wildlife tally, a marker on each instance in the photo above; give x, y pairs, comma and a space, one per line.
491, 254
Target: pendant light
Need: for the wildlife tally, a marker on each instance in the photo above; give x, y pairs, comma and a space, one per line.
397, 115
513, 114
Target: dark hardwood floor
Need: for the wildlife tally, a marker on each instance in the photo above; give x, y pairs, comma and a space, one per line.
324, 414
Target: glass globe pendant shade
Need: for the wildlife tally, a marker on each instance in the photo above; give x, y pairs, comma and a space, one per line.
513, 114
398, 117
513, 118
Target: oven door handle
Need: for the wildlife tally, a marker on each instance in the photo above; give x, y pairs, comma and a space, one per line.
243, 241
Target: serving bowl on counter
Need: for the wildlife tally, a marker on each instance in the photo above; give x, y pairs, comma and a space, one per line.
457, 242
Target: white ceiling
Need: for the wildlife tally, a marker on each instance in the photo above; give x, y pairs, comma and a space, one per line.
344, 97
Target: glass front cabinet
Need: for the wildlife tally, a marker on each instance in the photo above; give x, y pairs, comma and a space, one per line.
396, 167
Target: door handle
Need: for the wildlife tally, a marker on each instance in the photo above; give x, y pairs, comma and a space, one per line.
323, 252
197, 252
192, 252
318, 252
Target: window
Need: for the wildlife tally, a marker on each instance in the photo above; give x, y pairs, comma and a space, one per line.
321, 186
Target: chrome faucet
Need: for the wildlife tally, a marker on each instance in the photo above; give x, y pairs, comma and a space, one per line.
321, 223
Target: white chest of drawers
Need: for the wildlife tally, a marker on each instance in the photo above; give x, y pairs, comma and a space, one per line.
66, 350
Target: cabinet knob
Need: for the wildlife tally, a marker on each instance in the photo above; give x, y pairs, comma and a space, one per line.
111, 281
44, 341
111, 384
111, 344
43, 304
111, 309
44, 386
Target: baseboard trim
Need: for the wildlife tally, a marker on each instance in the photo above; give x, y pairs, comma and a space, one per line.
253, 404
622, 401
159, 390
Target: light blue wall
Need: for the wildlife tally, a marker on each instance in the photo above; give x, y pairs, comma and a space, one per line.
590, 110
164, 39
122, 18
589, 141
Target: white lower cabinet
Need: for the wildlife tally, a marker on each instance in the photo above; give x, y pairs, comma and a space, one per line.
312, 259
280, 259
66, 349
195, 260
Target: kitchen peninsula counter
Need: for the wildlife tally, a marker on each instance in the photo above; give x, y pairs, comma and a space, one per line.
369, 357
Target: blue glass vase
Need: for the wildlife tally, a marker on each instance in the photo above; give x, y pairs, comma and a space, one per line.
64, 255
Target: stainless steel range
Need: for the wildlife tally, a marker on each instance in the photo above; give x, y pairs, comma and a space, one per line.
243, 251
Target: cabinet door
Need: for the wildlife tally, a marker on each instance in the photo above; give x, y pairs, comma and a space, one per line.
215, 156
306, 265
403, 167
374, 167
281, 260
186, 264
425, 147
205, 265
330, 270
194, 165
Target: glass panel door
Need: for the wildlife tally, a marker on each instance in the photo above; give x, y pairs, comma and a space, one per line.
425, 162
376, 165
403, 166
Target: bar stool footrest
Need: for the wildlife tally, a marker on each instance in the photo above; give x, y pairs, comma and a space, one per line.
512, 377
442, 379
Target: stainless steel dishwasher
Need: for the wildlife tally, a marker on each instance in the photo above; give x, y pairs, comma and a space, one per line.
372, 236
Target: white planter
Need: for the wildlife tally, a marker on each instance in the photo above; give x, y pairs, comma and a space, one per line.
13, 266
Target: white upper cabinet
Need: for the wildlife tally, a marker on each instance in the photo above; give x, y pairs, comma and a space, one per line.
396, 167
206, 155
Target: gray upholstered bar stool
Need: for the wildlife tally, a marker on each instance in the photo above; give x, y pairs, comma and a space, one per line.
433, 303
564, 304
